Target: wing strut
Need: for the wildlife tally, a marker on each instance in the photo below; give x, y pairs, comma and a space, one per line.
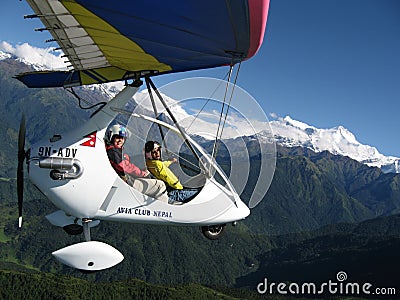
182, 132
147, 79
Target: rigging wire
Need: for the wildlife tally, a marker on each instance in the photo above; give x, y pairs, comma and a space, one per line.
220, 128
230, 99
214, 150
208, 99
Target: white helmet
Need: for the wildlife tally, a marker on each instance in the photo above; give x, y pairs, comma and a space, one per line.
116, 130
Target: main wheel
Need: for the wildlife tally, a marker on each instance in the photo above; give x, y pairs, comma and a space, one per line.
213, 232
73, 229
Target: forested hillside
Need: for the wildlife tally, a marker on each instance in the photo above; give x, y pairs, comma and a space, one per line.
174, 256
33, 286
367, 252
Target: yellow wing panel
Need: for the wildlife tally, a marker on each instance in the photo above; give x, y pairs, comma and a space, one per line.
118, 50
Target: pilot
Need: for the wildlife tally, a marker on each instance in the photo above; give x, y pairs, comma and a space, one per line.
160, 170
129, 172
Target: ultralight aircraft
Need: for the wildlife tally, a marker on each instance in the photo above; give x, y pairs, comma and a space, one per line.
131, 41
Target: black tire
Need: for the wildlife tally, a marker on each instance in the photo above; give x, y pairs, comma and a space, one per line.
73, 229
213, 232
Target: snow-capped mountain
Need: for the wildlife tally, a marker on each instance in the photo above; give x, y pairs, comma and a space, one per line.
38, 58
45, 59
337, 140
4, 55
291, 133
287, 132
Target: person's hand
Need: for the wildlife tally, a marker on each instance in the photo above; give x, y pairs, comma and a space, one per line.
126, 157
147, 173
174, 160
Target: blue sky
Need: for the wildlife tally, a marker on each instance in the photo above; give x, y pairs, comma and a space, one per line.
325, 63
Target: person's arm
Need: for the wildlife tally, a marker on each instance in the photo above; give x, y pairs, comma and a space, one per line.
122, 165
156, 167
161, 171
130, 168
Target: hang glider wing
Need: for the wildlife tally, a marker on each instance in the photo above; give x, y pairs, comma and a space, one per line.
115, 40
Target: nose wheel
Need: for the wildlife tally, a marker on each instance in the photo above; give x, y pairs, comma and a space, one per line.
213, 232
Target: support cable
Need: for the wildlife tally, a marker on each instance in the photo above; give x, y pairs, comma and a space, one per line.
230, 99
205, 104
220, 129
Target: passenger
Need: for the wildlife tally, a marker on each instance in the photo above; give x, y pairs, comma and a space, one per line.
160, 170
129, 172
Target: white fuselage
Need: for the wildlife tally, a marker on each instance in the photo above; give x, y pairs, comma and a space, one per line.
97, 192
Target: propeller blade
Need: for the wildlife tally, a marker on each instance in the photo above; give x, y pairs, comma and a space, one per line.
20, 168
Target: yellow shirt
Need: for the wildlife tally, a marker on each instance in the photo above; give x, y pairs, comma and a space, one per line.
161, 171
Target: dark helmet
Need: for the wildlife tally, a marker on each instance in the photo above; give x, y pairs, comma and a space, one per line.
150, 146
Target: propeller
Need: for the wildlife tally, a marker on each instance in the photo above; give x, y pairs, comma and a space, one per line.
20, 168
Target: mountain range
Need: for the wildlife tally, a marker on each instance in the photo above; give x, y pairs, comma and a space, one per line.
337, 140
291, 134
287, 132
